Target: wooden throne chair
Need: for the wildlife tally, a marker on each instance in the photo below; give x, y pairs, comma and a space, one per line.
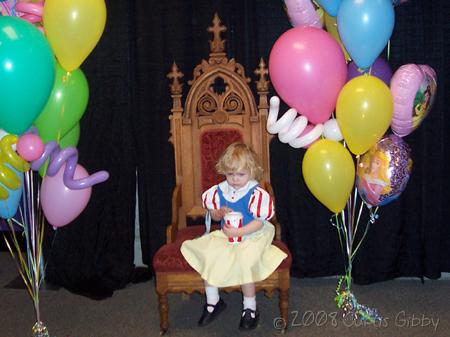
219, 109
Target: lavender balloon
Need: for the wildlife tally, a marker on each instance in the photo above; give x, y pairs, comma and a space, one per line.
69, 157
384, 171
380, 68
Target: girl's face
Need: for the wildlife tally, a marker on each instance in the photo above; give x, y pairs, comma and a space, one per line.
238, 179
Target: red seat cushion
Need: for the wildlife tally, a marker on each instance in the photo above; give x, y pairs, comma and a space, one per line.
168, 258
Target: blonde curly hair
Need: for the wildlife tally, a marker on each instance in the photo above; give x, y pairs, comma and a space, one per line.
237, 157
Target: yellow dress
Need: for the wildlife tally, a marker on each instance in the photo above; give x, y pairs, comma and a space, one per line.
223, 264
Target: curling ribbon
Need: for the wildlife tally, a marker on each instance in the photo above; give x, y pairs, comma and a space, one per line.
9, 157
290, 126
68, 156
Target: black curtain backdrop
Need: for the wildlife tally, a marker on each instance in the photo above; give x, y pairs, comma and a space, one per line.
125, 130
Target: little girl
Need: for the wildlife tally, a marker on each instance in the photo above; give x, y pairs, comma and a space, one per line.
221, 263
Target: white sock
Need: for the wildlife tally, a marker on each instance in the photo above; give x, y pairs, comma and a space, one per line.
249, 303
212, 296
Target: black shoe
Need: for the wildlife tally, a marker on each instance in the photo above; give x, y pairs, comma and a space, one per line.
208, 317
247, 321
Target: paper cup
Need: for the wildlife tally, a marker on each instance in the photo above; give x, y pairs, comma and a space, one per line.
234, 219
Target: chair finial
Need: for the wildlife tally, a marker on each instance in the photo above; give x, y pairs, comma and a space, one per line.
217, 44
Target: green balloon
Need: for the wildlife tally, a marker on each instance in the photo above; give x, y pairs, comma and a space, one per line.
27, 73
65, 106
71, 138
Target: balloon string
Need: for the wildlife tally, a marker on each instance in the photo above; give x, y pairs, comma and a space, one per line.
389, 49
69, 157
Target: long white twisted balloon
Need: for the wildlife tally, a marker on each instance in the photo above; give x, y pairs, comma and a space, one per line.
290, 126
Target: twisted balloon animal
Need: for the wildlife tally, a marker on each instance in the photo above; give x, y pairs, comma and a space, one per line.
8, 159
290, 127
69, 157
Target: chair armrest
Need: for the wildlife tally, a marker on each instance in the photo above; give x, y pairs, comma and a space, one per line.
172, 229
268, 187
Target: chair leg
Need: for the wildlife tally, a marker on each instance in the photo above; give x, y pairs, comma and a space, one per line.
284, 307
163, 313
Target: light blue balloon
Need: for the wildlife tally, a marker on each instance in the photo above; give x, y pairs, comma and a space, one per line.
330, 6
8, 207
365, 27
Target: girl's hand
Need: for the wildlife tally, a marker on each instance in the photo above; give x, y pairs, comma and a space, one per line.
217, 214
231, 231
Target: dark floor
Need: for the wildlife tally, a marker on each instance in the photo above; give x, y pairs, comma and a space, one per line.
408, 307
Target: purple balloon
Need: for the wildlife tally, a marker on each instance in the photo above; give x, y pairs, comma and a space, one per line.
69, 157
380, 68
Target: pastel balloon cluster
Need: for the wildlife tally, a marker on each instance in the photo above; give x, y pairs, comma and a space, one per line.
361, 27
309, 71
41, 84
31, 91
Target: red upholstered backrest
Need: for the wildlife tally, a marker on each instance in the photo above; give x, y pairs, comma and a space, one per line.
212, 144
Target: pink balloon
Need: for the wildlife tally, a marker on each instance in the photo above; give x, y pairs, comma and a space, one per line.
413, 89
307, 68
60, 204
302, 13
30, 146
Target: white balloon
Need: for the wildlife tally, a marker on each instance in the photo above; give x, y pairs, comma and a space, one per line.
331, 130
307, 139
290, 126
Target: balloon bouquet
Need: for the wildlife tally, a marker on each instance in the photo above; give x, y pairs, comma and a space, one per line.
344, 98
41, 103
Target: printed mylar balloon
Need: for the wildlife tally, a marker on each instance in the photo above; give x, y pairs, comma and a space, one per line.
307, 69
27, 73
413, 89
384, 171
329, 173
73, 29
364, 112
302, 13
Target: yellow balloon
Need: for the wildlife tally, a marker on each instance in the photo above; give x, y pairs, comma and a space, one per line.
320, 12
8, 177
329, 173
73, 29
331, 26
364, 112
9, 156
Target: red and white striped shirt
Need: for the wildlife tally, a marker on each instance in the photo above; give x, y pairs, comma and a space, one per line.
260, 204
